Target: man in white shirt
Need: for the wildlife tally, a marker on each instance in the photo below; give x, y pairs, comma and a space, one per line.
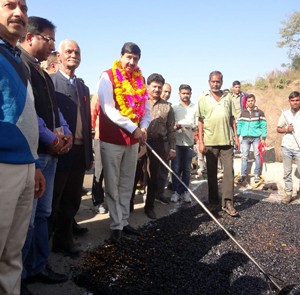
185, 125
289, 125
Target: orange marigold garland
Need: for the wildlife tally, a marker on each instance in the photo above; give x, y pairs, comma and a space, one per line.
131, 93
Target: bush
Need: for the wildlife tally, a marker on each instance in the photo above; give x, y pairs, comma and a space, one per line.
261, 83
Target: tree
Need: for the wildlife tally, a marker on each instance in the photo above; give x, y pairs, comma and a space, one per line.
290, 36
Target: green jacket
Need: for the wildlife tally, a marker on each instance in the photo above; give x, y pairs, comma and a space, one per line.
252, 123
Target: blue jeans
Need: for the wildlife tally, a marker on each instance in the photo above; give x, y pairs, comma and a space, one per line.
181, 165
246, 144
36, 250
287, 159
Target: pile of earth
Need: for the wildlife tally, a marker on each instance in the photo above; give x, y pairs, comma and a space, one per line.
188, 253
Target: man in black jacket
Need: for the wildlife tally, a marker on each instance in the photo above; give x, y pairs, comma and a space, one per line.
55, 138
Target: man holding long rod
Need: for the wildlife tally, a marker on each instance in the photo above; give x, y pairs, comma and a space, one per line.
289, 125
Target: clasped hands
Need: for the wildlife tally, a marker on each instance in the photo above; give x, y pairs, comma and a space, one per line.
62, 145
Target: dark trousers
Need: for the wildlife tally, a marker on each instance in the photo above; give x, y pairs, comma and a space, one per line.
139, 175
97, 190
226, 155
67, 199
158, 173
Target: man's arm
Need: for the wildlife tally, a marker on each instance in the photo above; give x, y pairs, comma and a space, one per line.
108, 106
171, 134
200, 135
236, 137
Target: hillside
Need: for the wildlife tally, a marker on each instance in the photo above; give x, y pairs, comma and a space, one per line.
272, 100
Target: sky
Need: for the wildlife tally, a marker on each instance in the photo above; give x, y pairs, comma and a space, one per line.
182, 40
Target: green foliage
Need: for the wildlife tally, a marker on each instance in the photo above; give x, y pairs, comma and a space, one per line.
261, 83
246, 86
281, 82
296, 63
290, 34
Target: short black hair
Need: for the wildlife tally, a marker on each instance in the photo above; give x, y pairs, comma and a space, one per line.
130, 47
236, 82
216, 73
155, 78
294, 94
185, 86
37, 25
250, 96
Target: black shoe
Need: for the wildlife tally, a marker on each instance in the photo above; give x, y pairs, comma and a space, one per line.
241, 179
24, 289
85, 191
78, 230
116, 236
129, 230
162, 199
150, 213
48, 276
72, 252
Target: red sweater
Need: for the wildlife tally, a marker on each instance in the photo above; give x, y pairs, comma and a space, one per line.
111, 132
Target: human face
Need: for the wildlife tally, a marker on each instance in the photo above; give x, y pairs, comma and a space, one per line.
154, 90
215, 83
295, 103
13, 20
236, 89
185, 95
250, 103
41, 44
166, 92
129, 62
69, 56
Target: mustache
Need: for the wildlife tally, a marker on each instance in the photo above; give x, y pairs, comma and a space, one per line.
17, 21
73, 59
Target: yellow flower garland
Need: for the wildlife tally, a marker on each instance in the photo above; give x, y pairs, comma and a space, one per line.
131, 93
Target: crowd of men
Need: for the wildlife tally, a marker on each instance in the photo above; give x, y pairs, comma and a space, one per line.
46, 120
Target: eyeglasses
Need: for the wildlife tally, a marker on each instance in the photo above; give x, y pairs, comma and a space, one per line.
48, 39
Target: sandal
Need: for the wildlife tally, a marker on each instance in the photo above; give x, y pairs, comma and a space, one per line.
229, 209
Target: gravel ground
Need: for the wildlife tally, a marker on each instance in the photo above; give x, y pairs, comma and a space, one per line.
187, 253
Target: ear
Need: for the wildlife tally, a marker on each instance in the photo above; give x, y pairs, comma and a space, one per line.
29, 37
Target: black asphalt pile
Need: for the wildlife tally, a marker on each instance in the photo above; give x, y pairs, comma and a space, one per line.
188, 253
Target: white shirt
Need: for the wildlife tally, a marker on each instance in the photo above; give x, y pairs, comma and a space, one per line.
187, 118
108, 106
288, 139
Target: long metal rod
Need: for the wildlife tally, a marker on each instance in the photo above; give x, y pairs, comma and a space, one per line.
214, 218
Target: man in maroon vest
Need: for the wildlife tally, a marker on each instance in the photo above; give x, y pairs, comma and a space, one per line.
124, 118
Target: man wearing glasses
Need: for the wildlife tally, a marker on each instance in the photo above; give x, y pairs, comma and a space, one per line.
55, 139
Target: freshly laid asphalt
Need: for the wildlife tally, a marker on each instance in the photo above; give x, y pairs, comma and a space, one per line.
98, 224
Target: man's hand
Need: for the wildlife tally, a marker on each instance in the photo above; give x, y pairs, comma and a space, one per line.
40, 184
68, 141
171, 155
237, 142
57, 145
140, 135
201, 148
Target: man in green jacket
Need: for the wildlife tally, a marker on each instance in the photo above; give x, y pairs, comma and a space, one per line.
252, 126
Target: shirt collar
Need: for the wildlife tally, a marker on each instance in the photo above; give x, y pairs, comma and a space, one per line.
14, 50
68, 77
